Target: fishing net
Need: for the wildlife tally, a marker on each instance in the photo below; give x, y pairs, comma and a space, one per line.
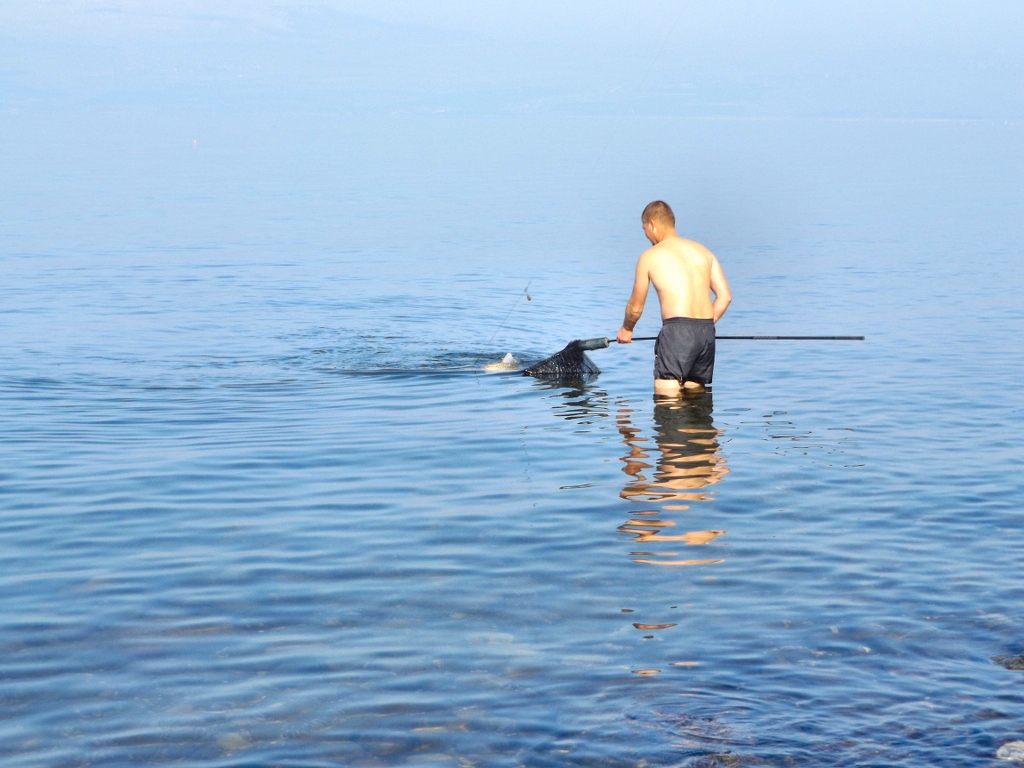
571, 363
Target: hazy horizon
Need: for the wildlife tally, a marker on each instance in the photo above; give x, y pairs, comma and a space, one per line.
939, 60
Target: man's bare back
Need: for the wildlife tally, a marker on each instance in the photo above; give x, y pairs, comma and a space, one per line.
684, 274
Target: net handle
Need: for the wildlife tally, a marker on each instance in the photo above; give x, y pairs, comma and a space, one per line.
765, 338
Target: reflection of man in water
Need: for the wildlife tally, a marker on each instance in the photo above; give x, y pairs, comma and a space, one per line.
688, 443
684, 274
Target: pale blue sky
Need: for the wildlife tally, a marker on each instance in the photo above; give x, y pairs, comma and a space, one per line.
916, 59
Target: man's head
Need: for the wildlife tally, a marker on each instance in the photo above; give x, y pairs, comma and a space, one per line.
658, 221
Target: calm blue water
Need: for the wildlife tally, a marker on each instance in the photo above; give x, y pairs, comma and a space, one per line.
258, 507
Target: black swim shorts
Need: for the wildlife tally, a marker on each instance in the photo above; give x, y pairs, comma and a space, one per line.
685, 350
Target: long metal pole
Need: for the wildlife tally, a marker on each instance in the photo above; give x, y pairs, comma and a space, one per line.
768, 338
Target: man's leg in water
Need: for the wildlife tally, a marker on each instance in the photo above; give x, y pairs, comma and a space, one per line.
667, 388
672, 388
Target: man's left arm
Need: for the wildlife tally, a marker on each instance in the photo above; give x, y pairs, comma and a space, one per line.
637, 300
723, 296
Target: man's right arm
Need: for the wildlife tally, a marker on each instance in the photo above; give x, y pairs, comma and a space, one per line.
637, 300
723, 296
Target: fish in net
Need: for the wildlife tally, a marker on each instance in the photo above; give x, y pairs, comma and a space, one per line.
570, 363
507, 364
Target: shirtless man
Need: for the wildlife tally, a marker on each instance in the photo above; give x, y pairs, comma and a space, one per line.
684, 274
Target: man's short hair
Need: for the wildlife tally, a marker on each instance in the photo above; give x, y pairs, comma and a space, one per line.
658, 212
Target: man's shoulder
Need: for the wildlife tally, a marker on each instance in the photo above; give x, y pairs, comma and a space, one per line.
675, 247
693, 250
647, 256
692, 245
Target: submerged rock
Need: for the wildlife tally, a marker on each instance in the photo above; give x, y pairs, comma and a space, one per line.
1010, 662
233, 742
1012, 750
